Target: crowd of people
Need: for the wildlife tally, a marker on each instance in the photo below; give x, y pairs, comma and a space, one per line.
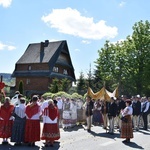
21, 121
126, 114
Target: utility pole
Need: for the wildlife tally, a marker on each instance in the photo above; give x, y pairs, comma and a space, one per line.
1, 78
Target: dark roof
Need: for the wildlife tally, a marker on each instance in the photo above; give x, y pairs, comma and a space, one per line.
44, 52
44, 73
60, 76
33, 53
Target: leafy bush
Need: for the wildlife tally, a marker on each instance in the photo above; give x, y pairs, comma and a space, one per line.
62, 93
76, 96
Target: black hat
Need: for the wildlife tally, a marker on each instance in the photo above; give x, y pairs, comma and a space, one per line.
34, 98
20, 95
128, 101
55, 101
22, 100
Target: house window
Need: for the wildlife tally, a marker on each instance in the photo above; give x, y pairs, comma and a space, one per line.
55, 69
29, 67
65, 72
28, 81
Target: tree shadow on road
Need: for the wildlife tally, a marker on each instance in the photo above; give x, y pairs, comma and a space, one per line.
106, 134
75, 128
23, 147
144, 132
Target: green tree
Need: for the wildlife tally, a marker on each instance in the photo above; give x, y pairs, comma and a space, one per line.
21, 87
127, 62
65, 85
141, 41
97, 81
90, 78
54, 86
81, 84
106, 65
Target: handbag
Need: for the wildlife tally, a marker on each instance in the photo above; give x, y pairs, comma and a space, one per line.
124, 119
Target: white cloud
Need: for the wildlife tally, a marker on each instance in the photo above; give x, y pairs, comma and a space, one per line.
119, 41
53, 40
86, 42
77, 50
122, 3
6, 47
5, 3
70, 21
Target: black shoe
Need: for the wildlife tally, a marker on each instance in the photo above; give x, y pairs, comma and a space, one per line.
125, 141
4, 142
33, 144
17, 144
111, 133
88, 130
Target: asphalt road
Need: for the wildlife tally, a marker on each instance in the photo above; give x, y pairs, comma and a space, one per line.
78, 138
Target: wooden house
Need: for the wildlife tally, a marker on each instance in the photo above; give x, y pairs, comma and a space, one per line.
40, 63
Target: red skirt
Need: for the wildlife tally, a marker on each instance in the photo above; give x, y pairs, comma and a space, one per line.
50, 132
6, 128
32, 130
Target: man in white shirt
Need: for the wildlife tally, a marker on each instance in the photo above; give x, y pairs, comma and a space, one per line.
60, 106
145, 108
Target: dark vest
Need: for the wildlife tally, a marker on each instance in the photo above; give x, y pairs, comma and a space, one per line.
112, 109
89, 108
136, 108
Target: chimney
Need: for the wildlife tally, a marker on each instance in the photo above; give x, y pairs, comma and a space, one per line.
42, 47
42, 51
46, 43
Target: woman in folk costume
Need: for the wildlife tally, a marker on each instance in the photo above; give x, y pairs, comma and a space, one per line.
32, 128
50, 131
18, 129
66, 114
6, 120
126, 123
97, 115
73, 112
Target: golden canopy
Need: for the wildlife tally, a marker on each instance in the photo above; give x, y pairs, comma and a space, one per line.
103, 94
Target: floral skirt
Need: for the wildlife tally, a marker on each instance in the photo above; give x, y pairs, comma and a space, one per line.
50, 132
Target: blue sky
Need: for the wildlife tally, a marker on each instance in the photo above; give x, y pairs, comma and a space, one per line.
84, 24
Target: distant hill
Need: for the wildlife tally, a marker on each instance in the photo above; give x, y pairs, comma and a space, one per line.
7, 79
6, 76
